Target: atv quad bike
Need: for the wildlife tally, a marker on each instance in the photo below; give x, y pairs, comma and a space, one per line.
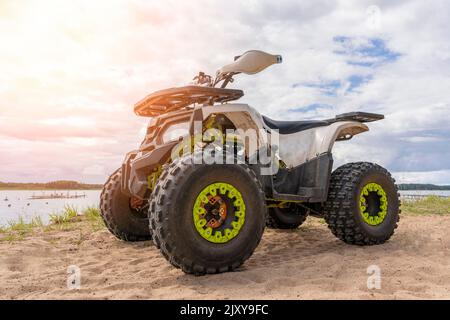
209, 216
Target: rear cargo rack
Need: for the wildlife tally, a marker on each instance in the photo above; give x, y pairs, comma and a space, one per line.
173, 99
357, 116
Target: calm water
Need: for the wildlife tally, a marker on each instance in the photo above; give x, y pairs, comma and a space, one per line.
426, 192
19, 204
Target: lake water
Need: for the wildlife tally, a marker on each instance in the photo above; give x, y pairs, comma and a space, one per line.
19, 204
445, 193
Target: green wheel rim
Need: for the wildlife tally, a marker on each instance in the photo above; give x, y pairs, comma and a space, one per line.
235, 212
373, 204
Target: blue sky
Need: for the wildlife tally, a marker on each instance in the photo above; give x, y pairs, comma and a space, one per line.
91, 61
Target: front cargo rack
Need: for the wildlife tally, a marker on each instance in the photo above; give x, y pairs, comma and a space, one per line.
173, 99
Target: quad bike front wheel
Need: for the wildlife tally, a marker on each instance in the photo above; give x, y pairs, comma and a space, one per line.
124, 216
289, 217
363, 205
207, 218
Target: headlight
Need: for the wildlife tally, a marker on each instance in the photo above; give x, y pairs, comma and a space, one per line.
175, 131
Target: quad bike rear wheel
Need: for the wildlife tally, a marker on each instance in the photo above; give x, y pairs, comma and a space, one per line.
207, 218
363, 204
289, 217
124, 216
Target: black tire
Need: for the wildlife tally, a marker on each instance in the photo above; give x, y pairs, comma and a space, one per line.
342, 212
121, 220
290, 217
171, 220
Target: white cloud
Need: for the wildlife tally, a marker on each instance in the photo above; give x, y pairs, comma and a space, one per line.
83, 65
437, 177
94, 170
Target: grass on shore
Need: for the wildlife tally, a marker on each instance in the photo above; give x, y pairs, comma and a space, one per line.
68, 214
63, 221
427, 206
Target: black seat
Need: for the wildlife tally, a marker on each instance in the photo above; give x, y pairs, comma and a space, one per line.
286, 127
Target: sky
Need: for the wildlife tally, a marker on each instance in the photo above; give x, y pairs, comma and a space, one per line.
71, 72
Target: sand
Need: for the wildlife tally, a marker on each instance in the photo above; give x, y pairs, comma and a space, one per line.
307, 263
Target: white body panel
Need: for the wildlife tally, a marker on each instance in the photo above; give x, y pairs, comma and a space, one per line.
242, 115
296, 148
300, 147
235, 108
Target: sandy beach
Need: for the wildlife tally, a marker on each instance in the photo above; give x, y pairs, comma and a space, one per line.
308, 263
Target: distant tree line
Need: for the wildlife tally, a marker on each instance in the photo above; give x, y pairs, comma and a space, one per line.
53, 185
421, 186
